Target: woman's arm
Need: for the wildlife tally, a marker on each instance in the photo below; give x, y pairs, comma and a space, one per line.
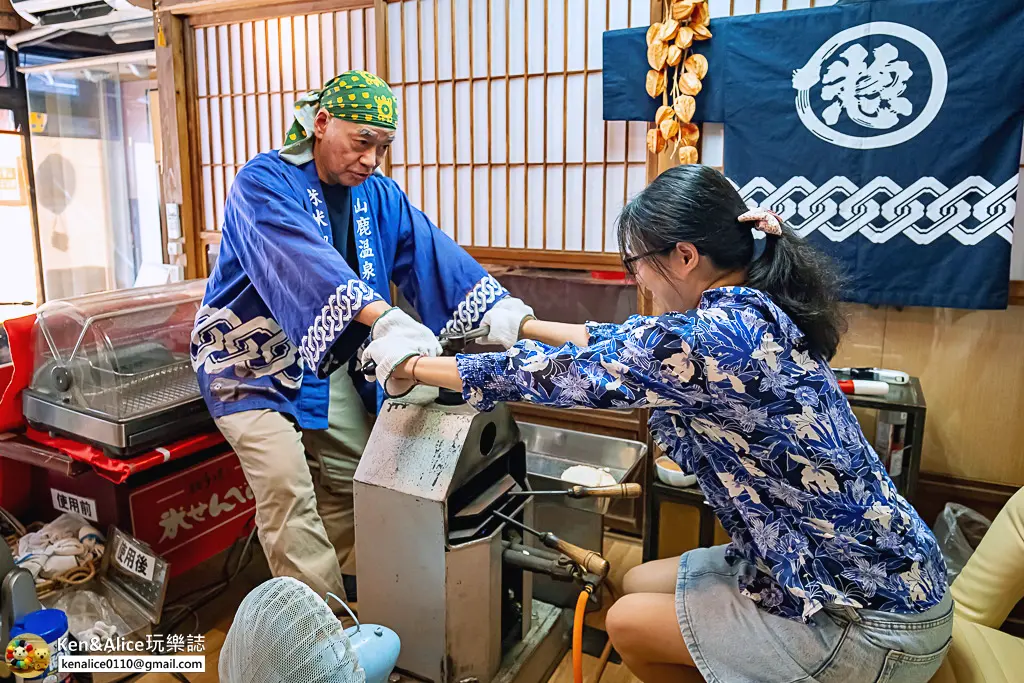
559, 334
651, 366
434, 372
555, 334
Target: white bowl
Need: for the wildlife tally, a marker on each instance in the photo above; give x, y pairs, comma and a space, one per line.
672, 477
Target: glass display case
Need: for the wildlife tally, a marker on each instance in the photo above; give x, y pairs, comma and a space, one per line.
113, 369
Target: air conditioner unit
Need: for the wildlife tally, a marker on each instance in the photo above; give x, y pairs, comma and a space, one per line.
126, 19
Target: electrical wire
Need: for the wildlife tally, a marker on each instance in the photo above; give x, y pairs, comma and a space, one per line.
188, 603
227, 576
191, 601
606, 653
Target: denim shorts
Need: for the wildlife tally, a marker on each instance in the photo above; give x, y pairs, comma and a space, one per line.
731, 640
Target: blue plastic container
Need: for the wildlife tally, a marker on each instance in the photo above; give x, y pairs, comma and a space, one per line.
52, 626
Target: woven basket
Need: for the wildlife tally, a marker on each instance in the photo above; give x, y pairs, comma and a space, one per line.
72, 577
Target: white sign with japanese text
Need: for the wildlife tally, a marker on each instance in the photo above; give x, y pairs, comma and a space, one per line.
77, 505
135, 560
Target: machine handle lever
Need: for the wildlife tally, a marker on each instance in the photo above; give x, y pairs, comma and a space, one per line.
591, 562
613, 491
588, 560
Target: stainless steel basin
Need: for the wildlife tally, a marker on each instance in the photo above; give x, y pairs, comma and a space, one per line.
550, 451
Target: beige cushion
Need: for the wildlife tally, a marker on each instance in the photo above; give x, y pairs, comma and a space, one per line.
984, 593
980, 654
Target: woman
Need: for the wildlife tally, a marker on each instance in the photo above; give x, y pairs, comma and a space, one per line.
830, 575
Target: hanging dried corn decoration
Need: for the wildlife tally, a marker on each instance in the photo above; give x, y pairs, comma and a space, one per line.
669, 46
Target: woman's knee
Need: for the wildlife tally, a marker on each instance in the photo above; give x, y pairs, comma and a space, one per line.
625, 624
644, 627
632, 580
658, 576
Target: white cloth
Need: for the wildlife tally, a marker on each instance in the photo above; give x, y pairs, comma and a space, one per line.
57, 565
56, 547
505, 320
396, 337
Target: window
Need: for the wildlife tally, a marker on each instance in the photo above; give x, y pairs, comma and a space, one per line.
249, 76
97, 190
18, 280
501, 121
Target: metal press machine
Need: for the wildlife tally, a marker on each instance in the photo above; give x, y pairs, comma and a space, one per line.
441, 494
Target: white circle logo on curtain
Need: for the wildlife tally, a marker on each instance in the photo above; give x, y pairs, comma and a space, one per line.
868, 88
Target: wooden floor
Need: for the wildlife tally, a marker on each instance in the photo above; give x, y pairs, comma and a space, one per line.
216, 616
615, 673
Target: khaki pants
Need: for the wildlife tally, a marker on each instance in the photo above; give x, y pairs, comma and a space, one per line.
302, 482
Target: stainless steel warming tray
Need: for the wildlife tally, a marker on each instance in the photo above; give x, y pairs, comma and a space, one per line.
113, 369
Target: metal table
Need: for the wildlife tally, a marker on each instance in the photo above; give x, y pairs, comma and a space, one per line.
906, 398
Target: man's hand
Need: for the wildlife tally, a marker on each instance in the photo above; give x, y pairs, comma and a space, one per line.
506, 319
395, 339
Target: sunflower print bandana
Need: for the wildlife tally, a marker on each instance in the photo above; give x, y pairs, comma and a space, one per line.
356, 96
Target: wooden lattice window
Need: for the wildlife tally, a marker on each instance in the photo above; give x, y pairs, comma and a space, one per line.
248, 76
502, 140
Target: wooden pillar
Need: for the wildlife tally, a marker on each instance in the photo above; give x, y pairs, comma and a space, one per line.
383, 69
177, 182
655, 165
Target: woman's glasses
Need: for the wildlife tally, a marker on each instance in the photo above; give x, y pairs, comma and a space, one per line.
629, 261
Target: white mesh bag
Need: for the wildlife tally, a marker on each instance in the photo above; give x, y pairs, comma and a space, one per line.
284, 632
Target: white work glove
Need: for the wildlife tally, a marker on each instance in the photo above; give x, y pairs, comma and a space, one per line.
505, 320
395, 338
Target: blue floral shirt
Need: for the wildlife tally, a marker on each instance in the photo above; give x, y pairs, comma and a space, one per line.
738, 401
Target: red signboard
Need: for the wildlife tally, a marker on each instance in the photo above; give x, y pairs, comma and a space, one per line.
191, 516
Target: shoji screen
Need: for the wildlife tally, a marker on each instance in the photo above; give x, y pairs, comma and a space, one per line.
248, 76
502, 141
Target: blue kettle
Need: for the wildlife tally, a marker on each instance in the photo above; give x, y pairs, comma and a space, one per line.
377, 647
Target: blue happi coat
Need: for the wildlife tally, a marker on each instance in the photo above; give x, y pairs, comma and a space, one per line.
279, 311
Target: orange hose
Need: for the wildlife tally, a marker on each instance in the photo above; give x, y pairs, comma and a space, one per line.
577, 634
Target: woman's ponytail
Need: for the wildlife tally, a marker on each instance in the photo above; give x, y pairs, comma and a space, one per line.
805, 284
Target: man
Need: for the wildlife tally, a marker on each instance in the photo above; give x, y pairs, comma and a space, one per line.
312, 237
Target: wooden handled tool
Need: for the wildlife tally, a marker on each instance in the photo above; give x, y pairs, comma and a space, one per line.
587, 560
613, 491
